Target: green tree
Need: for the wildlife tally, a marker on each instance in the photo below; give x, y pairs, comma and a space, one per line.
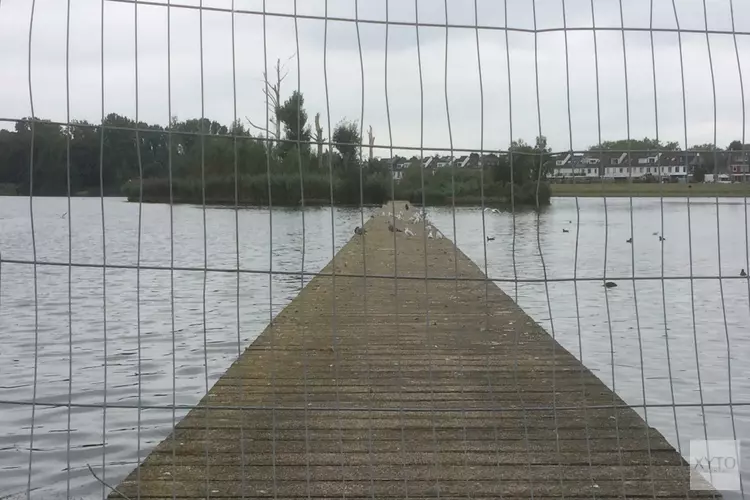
346, 139
644, 144
294, 117
709, 158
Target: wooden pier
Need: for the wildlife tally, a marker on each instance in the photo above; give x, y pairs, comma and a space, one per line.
409, 388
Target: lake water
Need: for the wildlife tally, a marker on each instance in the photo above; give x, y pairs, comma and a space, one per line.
667, 313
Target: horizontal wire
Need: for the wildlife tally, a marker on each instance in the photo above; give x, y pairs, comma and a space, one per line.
354, 409
329, 143
352, 275
430, 24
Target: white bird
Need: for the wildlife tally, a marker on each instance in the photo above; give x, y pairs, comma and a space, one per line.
408, 232
439, 235
429, 235
495, 211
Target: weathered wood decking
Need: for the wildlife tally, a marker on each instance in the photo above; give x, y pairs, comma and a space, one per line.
408, 389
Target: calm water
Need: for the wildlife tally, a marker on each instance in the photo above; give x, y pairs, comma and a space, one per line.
718, 329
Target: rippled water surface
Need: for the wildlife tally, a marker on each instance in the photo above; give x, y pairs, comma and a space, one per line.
687, 316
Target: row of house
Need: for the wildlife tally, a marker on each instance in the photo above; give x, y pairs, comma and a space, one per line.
666, 165
669, 165
474, 160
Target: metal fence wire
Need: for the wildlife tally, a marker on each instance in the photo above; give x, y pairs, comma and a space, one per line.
373, 249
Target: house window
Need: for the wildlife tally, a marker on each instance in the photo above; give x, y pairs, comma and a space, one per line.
620, 169
682, 169
652, 160
589, 171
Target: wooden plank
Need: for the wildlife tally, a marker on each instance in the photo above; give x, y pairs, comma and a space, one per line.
373, 387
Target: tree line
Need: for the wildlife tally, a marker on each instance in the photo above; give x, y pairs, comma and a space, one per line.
199, 160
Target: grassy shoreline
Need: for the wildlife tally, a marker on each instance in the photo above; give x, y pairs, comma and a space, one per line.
650, 190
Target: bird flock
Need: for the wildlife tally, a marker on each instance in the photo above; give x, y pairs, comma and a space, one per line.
417, 218
432, 232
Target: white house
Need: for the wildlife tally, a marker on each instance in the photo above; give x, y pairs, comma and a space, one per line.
462, 162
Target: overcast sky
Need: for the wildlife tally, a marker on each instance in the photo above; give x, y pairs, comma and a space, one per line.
403, 89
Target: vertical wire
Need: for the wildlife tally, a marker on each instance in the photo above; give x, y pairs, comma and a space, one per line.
70, 251
333, 248
33, 249
395, 252
575, 256
661, 215
455, 236
519, 394
104, 266
138, 255
205, 239
235, 131
171, 250
490, 385
615, 411
364, 253
428, 332
270, 261
632, 250
305, 361
539, 247
742, 150
453, 165
510, 158
690, 231
718, 242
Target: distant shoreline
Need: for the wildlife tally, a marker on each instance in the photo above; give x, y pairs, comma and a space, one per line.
468, 201
650, 190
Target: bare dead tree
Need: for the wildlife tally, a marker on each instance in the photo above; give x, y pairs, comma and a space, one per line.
319, 139
371, 140
272, 94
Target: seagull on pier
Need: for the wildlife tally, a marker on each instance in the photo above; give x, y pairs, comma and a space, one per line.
408, 232
565, 231
359, 230
430, 235
610, 284
490, 238
743, 273
392, 229
629, 240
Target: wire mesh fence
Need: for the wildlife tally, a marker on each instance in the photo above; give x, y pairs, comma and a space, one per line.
257, 144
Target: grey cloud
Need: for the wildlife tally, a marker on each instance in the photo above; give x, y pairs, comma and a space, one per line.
403, 87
